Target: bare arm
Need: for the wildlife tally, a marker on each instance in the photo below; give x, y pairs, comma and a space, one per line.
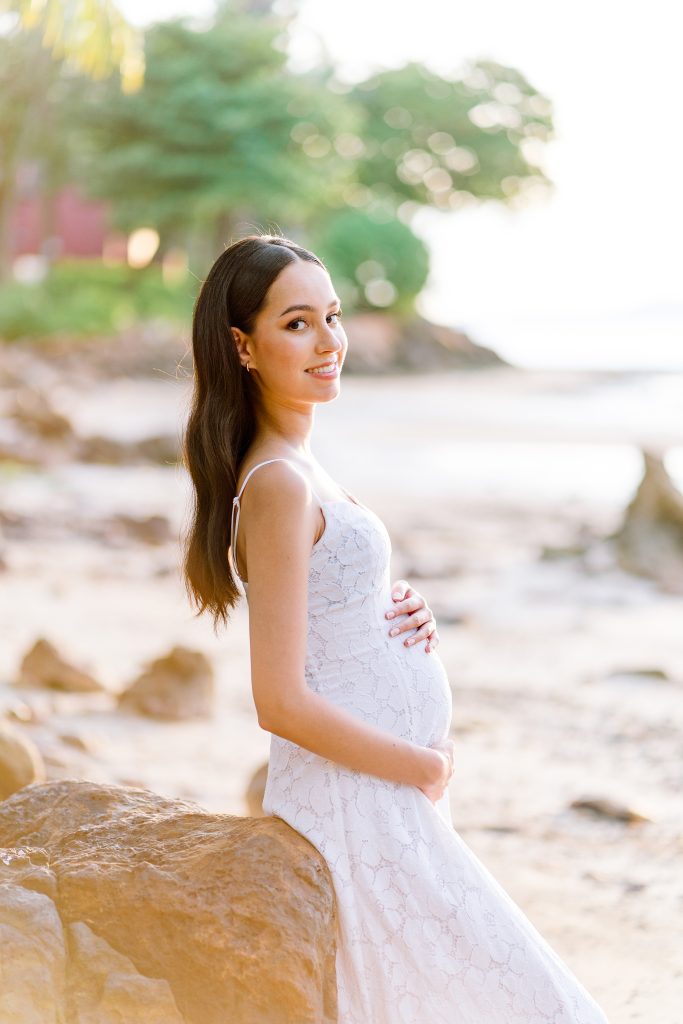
280, 526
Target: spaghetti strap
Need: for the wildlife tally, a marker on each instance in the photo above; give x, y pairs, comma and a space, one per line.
235, 515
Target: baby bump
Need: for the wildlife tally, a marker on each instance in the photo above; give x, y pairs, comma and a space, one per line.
403, 690
430, 694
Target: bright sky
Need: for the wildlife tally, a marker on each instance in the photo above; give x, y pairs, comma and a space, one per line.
592, 277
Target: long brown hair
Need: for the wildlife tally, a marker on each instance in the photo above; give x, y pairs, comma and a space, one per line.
222, 420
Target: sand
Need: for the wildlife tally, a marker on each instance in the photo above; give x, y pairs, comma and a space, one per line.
476, 475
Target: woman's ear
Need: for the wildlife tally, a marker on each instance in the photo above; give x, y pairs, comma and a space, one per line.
240, 340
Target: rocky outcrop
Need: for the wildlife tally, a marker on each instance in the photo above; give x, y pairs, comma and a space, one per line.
34, 432
44, 666
21, 762
603, 807
649, 541
163, 449
34, 411
178, 685
386, 343
153, 530
119, 905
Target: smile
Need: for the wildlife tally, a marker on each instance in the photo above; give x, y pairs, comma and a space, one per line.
328, 370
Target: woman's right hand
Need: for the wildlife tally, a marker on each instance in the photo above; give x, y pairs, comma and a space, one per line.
444, 770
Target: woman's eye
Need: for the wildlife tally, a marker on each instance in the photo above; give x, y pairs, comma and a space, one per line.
300, 320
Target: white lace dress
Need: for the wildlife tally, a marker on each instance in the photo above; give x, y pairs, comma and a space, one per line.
426, 934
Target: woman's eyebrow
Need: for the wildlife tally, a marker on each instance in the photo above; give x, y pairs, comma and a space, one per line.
290, 309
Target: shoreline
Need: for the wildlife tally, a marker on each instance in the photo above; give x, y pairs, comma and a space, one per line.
542, 644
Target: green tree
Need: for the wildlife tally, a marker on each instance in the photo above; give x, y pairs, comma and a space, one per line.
426, 141
375, 263
221, 135
438, 142
224, 137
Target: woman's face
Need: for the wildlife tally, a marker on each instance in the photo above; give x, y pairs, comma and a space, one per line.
298, 328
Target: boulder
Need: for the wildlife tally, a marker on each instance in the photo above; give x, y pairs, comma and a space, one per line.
34, 411
14, 525
107, 450
33, 945
161, 449
605, 808
154, 530
178, 685
21, 762
387, 343
20, 711
105, 986
119, 905
43, 666
78, 742
638, 672
256, 788
649, 541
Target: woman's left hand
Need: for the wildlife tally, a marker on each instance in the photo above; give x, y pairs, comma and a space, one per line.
418, 616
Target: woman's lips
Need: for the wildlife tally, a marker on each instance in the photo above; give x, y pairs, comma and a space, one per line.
331, 372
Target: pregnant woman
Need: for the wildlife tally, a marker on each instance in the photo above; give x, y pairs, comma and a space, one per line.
360, 757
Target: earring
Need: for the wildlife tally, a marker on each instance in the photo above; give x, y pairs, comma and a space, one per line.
248, 368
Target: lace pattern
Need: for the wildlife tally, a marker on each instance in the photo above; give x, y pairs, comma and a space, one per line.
426, 934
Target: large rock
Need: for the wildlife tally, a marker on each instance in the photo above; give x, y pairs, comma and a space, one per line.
178, 685
44, 666
386, 343
21, 762
162, 449
33, 946
117, 905
605, 808
105, 987
154, 530
649, 541
34, 410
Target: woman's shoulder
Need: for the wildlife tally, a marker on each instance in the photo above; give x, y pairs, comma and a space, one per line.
279, 511
275, 478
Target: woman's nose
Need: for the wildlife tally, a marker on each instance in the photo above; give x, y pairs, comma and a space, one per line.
332, 339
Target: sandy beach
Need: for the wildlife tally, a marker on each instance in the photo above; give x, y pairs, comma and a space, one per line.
497, 487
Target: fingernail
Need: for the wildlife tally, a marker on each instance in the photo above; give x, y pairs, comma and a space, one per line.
394, 631
390, 615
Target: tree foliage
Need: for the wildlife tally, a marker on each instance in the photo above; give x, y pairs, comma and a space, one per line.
374, 263
214, 136
432, 141
91, 36
222, 136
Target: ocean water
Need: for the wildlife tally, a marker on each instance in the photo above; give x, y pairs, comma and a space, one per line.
647, 339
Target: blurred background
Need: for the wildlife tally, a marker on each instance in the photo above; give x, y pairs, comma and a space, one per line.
495, 191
